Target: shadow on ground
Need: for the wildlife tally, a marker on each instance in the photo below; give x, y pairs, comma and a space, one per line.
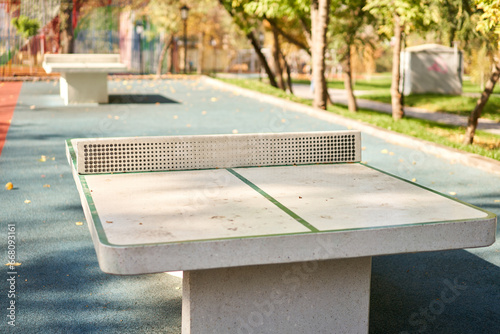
139, 99
435, 292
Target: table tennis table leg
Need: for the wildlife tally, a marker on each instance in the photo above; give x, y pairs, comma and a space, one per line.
306, 297
84, 87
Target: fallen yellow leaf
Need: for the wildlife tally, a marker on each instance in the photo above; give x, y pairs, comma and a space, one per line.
43, 158
414, 180
9, 186
46, 185
452, 193
384, 151
235, 131
32, 107
27, 201
16, 264
79, 223
213, 99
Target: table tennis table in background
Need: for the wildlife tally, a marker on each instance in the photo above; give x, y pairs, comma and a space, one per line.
274, 232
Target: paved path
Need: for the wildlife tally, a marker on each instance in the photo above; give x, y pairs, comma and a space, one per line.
339, 96
60, 288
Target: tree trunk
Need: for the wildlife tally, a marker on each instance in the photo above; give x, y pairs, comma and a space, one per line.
276, 51
307, 31
319, 18
476, 113
262, 58
288, 74
163, 53
397, 107
351, 99
201, 53
289, 37
66, 26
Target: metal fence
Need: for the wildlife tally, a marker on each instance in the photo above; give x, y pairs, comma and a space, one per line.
140, 54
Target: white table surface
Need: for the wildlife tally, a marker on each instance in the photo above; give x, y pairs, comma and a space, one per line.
199, 219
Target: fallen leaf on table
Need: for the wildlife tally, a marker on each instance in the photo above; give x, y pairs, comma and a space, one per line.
9, 186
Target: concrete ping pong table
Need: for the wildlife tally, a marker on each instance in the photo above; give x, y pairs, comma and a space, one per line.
84, 77
274, 232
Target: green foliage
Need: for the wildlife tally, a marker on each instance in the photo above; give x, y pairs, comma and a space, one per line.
276, 9
457, 21
453, 104
489, 21
414, 14
25, 26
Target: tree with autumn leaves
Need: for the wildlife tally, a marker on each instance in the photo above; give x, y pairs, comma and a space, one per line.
313, 25
489, 26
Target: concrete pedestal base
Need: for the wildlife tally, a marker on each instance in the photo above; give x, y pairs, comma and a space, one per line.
84, 88
306, 297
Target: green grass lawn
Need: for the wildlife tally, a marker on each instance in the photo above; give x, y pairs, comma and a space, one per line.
453, 104
379, 88
485, 144
374, 84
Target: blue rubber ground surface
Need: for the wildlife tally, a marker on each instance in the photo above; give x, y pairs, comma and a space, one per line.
60, 288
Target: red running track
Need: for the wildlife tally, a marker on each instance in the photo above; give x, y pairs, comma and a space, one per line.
9, 92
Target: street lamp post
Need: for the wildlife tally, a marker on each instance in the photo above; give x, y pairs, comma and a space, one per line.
184, 16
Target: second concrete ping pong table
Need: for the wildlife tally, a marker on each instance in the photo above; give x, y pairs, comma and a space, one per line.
274, 232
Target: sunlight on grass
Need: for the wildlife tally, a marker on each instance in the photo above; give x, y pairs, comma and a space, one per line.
459, 105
